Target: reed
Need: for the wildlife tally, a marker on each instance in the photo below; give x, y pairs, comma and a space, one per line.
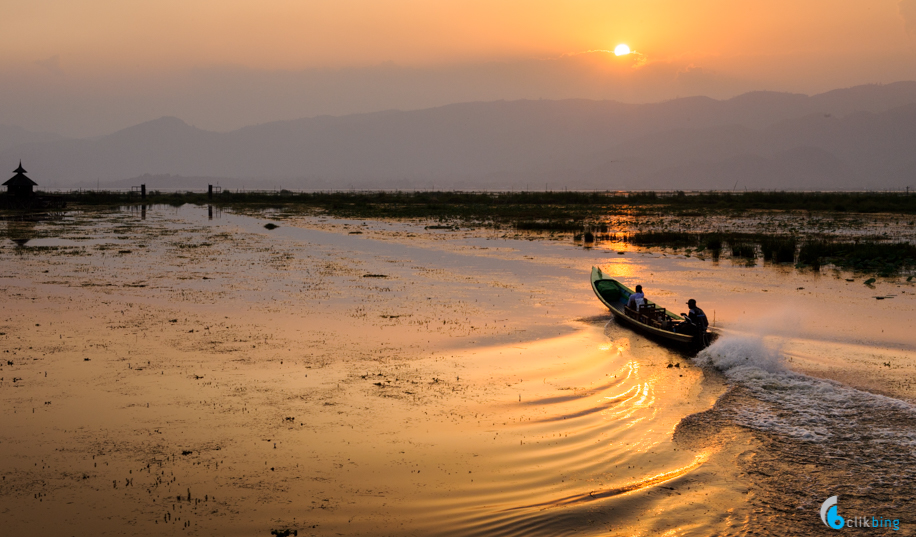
882, 258
779, 249
744, 250
537, 205
713, 242
550, 225
664, 238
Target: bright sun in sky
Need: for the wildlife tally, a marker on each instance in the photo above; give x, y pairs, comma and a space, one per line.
621, 50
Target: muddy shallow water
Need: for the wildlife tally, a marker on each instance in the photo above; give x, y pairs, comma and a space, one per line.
165, 370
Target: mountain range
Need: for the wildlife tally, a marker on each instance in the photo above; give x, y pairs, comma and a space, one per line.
850, 139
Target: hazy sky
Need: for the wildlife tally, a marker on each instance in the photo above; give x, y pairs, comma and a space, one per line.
88, 67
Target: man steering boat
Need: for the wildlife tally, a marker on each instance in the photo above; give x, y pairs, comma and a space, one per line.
695, 323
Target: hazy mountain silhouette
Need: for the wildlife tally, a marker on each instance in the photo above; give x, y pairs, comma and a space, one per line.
859, 137
11, 136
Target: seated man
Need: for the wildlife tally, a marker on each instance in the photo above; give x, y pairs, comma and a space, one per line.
694, 324
637, 299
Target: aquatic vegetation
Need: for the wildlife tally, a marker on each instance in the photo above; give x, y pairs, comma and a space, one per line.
871, 254
743, 245
518, 204
550, 225
743, 249
750, 224
665, 238
713, 243
779, 249
882, 258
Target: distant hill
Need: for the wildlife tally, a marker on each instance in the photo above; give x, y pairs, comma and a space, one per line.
862, 137
11, 136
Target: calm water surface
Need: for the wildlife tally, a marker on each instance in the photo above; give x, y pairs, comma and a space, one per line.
167, 371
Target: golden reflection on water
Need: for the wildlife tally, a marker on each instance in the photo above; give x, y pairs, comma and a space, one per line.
619, 345
628, 488
593, 429
299, 394
622, 267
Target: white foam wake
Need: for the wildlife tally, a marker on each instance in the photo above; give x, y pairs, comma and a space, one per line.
803, 407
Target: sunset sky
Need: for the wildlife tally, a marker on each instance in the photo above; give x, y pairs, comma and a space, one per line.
88, 67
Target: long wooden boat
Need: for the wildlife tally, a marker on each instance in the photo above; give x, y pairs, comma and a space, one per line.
651, 319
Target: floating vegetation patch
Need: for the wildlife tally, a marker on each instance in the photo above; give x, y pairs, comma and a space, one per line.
672, 239
538, 205
882, 258
40, 249
780, 249
743, 249
713, 243
550, 225
186, 245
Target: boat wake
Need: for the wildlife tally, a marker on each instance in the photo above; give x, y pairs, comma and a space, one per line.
803, 407
816, 438
617, 491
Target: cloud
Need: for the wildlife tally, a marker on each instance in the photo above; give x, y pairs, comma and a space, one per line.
695, 76
639, 59
908, 12
52, 64
636, 59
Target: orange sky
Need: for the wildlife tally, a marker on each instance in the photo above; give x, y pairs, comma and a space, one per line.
785, 45
290, 34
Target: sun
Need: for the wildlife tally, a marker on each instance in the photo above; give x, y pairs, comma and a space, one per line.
621, 50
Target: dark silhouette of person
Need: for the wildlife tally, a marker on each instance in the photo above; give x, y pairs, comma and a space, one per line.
637, 299
695, 323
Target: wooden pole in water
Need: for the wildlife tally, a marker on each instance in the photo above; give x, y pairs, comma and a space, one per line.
143, 192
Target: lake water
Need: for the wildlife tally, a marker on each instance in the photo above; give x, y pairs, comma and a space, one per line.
174, 370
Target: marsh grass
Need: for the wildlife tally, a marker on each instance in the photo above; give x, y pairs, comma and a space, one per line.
784, 219
780, 249
567, 226
882, 258
520, 205
870, 254
672, 239
743, 250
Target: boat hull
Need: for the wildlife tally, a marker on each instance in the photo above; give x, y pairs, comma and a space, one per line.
615, 296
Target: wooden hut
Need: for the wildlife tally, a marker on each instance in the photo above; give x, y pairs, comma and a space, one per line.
19, 185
